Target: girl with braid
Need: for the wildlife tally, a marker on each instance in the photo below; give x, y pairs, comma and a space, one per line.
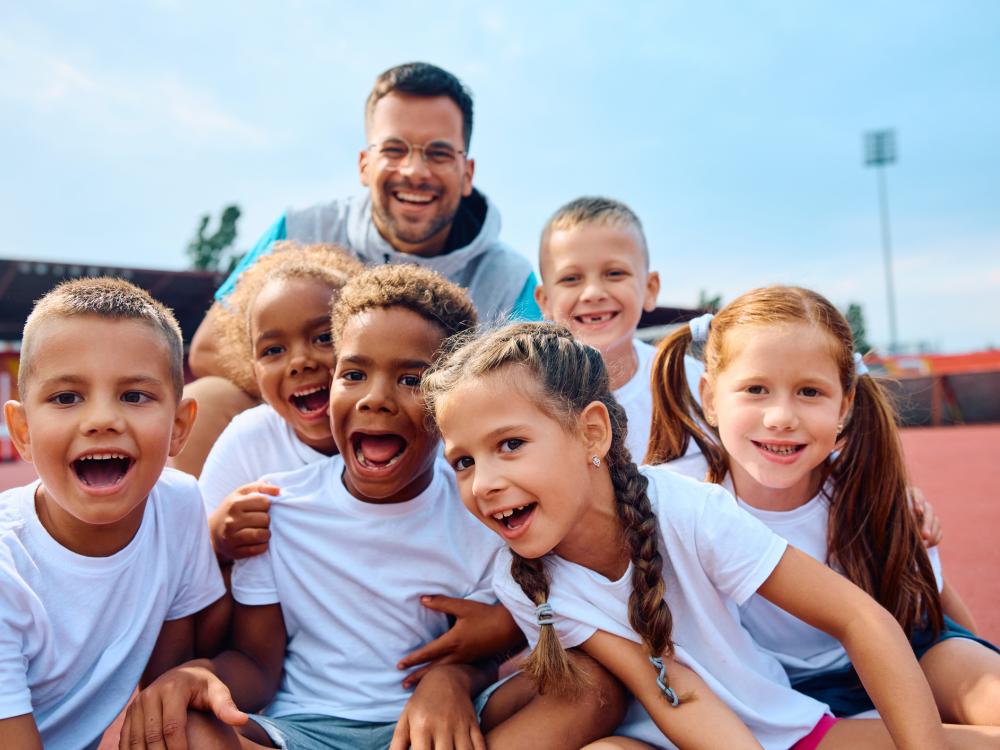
792, 424
643, 570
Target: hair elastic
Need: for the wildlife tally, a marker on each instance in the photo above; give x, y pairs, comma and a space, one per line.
860, 368
661, 681
544, 614
699, 328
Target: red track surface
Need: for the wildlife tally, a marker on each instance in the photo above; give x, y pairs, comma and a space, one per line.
958, 468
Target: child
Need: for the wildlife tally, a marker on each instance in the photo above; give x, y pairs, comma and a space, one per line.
596, 281
781, 392
357, 539
534, 435
105, 559
275, 335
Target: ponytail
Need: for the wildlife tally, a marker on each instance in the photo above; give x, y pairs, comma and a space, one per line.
677, 415
872, 534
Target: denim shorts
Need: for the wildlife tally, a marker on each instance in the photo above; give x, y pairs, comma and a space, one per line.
318, 732
842, 690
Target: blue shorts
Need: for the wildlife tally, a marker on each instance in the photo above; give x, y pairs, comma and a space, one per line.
842, 690
318, 732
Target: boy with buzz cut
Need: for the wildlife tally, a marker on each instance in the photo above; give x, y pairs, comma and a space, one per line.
596, 281
105, 559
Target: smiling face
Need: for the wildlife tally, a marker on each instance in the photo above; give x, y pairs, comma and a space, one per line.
293, 355
377, 412
99, 420
521, 472
414, 202
595, 282
778, 402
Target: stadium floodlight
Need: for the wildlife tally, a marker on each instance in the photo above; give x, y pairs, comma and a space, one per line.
880, 152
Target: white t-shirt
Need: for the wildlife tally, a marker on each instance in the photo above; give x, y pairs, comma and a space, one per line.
257, 442
636, 397
75, 631
715, 556
803, 650
349, 576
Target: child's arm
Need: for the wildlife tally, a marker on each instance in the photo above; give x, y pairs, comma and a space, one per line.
20, 732
927, 520
248, 675
174, 645
239, 526
440, 711
955, 607
700, 722
872, 638
481, 631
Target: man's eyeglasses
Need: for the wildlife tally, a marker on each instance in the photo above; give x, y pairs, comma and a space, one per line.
396, 151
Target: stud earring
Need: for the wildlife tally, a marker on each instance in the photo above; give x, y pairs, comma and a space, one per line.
711, 420
840, 428
595, 460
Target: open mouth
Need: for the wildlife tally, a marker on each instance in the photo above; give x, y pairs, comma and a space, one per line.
102, 470
515, 518
378, 452
413, 198
783, 451
311, 401
595, 318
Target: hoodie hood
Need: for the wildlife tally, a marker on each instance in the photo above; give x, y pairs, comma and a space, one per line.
475, 230
474, 257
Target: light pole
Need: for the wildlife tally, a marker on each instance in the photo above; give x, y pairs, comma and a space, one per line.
880, 151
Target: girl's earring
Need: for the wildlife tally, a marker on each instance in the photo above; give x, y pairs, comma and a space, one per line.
595, 460
711, 420
840, 428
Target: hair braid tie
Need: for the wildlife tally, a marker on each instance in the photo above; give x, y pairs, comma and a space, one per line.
544, 614
661, 681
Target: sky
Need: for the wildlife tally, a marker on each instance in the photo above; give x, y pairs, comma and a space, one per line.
734, 130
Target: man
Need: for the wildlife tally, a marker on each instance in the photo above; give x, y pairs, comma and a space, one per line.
420, 208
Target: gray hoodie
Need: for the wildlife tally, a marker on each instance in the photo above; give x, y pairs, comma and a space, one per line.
494, 274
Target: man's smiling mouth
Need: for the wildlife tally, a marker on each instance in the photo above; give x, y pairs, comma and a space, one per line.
421, 199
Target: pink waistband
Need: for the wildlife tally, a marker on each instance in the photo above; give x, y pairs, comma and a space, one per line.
811, 741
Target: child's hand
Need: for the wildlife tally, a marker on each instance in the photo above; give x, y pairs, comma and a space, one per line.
157, 718
439, 714
239, 526
481, 631
923, 511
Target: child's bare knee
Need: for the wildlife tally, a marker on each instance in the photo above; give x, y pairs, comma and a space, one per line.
605, 694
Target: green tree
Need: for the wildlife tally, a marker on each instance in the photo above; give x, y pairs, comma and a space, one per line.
711, 304
209, 252
856, 317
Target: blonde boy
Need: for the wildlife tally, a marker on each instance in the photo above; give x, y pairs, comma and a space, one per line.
596, 281
105, 559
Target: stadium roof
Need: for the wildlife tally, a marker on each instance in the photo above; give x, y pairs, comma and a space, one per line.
187, 293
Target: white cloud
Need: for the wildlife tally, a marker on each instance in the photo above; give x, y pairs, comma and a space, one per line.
60, 90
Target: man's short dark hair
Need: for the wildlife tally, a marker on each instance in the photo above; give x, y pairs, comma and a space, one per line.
422, 79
